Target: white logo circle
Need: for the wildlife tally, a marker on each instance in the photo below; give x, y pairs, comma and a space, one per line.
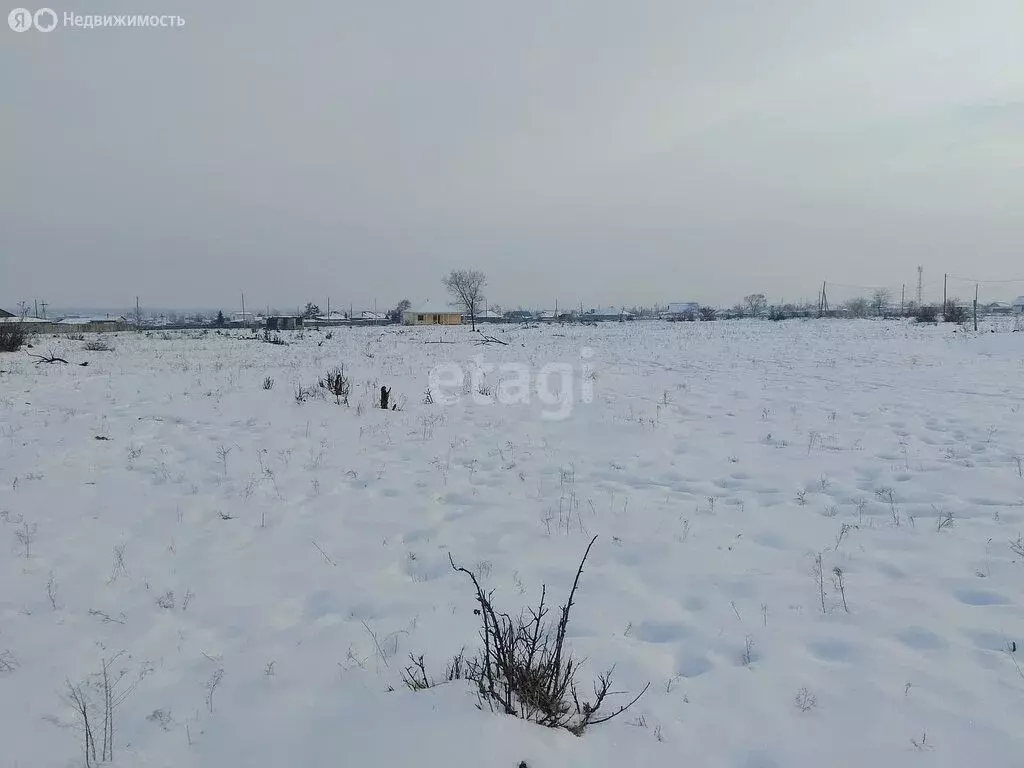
45, 20
20, 20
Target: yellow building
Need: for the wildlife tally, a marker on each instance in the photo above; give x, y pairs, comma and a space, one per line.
431, 314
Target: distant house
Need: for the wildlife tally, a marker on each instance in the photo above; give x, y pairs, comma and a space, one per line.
551, 316
332, 318
1018, 305
94, 324
487, 316
606, 313
519, 316
242, 318
432, 314
284, 323
36, 324
683, 310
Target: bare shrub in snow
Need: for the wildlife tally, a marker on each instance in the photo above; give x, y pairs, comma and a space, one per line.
944, 520
120, 567
525, 669
888, 496
94, 703
211, 687
839, 582
748, 651
819, 577
13, 336
922, 743
416, 678
222, 454
805, 700
338, 384
953, 312
268, 383
1017, 547
161, 717
844, 529
97, 345
25, 535
51, 590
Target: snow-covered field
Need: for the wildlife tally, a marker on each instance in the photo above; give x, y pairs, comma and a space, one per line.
260, 569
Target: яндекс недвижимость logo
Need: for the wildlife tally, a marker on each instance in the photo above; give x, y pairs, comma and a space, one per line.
22, 19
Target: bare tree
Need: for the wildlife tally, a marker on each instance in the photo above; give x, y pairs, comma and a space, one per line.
466, 287
858, 307
756, 303
395, 315
137, 317
880, 299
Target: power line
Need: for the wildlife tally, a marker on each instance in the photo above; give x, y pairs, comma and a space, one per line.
861, 287
972, 280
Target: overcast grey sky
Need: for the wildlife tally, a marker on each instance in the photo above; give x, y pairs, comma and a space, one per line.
581, 150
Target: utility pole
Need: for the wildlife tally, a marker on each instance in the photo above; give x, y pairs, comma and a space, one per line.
920, 273
138, 316
244, 324
903, 298
975, 307
44, 305
945, 279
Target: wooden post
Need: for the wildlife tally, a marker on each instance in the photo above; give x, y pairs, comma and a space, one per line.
945, 277
903, 297
244, 324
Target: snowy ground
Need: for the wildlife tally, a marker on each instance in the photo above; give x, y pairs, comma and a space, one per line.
161, 508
